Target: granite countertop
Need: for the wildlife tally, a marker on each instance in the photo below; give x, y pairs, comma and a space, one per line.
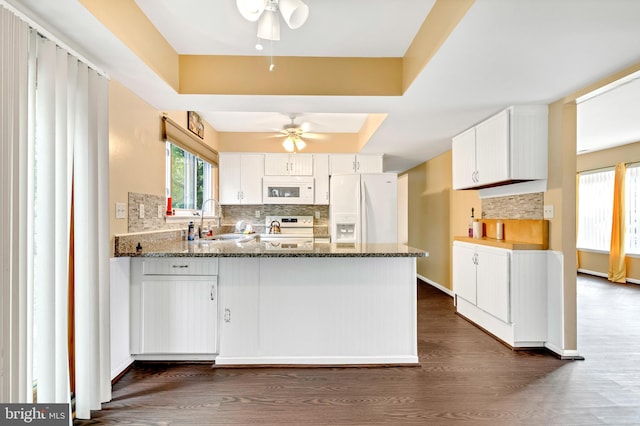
257, 248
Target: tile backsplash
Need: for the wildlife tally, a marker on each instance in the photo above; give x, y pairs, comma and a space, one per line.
525, 206
151, 221
230, 213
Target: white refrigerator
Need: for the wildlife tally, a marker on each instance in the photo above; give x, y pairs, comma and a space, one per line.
363, 208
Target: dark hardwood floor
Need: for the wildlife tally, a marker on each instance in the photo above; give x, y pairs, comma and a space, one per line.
464, 376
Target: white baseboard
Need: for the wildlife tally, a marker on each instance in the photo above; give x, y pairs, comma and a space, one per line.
319, 360
563, 353
115, 371
436, 285
603, 275
174, 357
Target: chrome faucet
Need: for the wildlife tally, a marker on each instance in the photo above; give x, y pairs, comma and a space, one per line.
217, 213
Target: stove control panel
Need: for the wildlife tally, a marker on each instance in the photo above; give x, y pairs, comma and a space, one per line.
291, 221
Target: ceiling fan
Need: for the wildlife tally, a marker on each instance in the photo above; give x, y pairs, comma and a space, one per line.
294, 133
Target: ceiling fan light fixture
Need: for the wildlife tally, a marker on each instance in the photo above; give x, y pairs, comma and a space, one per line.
288, 145
251, 9
294, 12
300, 144
269, 25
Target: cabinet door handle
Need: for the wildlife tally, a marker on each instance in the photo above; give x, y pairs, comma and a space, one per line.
213, 292
180, 266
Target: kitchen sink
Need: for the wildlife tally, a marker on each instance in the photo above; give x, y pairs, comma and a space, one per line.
241, 238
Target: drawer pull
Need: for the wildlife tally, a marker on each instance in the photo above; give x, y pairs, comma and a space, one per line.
179, 266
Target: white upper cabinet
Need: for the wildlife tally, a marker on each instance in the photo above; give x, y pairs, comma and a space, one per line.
321, 178
492, 149
463, 151
288, 164
241, 178
509, 147
352, 163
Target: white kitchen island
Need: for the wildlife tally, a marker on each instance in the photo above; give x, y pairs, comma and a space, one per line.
355, 310
332, 305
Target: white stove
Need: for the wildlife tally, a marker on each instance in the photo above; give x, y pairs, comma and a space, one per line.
296, 232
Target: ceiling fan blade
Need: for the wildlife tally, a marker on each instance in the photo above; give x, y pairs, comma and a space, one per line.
315, 136
306, 126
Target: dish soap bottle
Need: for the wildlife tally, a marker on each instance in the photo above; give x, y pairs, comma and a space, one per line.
471, 224
191, 234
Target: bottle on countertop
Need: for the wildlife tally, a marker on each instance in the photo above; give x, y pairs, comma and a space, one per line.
499, 230
191, 234
471, 224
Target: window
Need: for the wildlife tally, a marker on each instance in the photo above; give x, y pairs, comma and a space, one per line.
632, 209
188, 179
595, 209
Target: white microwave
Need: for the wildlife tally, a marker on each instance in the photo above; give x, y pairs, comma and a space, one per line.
287, 190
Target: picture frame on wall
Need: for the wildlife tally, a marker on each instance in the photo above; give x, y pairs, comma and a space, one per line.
195, 124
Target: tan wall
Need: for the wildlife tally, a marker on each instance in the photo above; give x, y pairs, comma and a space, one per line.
136, 149
436, 215
599, 262
266, 142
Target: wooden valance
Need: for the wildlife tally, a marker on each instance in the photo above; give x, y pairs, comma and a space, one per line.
178, 135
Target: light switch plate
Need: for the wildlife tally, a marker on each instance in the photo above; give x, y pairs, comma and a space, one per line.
548, 212
121, 211
141, 211
257, 214
317, 215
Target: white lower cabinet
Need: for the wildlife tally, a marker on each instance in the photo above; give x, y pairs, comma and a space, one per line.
174, 308
503, 291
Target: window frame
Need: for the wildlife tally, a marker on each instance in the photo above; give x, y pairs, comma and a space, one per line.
629, 252
191, 168
632, 168
580, 242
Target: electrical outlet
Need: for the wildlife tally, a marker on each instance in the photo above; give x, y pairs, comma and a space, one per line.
548, 212
141, 211
121, 211
257, 214
160, 212
317, 215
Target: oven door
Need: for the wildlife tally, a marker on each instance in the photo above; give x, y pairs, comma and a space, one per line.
287, 244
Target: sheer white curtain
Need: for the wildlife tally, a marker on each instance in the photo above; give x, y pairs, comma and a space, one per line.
58, 143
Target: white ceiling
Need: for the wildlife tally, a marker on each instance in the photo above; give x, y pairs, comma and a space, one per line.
503, 52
